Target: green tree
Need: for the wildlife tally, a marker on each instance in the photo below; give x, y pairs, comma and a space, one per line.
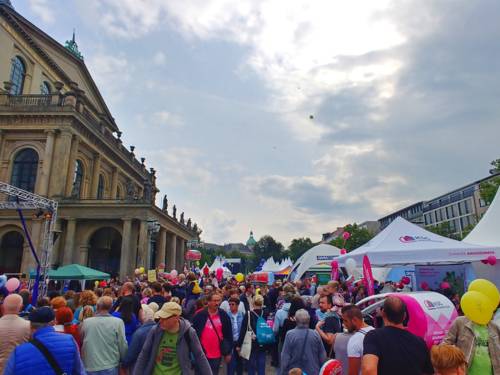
299, 246
444, 229
267, 247
488, 189
359, 236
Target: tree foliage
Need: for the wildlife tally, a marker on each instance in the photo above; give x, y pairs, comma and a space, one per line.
267, 247
359, 236
488, 189
299, 246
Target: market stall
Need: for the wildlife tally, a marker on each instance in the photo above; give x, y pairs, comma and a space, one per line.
321, 254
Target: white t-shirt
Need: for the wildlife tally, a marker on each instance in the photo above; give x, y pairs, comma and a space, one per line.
355, 344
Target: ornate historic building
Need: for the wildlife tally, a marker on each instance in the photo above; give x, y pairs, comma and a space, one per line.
59, 140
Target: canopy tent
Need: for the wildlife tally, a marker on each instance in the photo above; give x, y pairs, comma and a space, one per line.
219, 263
487, 233
76, 272
403, 243
277, 267
319, 254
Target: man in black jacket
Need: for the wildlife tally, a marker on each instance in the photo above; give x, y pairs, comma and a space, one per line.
213, 327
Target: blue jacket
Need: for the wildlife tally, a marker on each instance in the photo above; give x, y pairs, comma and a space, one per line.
27, 359
135, 347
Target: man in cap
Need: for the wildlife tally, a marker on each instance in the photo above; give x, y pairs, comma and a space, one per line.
169, 346
14, 330
49, 352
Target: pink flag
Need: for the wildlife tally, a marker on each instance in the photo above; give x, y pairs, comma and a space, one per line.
335, 270
368, 276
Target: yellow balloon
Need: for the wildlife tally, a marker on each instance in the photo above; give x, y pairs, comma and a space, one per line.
239, 277
476, 307
141, 269
487, 288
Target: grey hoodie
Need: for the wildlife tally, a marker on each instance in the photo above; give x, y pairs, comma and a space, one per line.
146, 361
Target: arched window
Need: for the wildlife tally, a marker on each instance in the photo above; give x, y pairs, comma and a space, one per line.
45, 88
24, 169
77, 180
17, 74
100, 187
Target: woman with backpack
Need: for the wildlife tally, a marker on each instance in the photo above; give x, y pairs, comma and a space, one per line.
256, 364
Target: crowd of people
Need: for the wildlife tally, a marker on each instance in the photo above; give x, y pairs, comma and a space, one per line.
203, 324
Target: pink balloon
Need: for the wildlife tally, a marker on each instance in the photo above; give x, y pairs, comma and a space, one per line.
492, 260
334, 264
405, 280
445, 285
343, 251
346, 235
12, 284
424, 285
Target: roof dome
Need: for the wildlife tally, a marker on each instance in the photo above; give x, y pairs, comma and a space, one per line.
251, 241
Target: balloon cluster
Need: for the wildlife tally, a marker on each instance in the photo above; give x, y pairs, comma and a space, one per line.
491, 260
480, 301
11, 284
139, 271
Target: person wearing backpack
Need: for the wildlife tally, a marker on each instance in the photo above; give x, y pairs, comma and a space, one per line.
262, 337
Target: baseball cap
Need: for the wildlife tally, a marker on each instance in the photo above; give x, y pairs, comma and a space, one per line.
42, 315
168, 309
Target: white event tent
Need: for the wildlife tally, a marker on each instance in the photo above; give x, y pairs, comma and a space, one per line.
487, 233
404, 243
319, 254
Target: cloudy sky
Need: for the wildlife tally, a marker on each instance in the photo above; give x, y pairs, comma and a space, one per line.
294, 117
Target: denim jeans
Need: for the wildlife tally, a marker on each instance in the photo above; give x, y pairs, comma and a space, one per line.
257, 362
214, 365
236, 364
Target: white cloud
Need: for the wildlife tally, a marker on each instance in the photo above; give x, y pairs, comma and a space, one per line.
44, 10
111, 73
159, 58
167, 119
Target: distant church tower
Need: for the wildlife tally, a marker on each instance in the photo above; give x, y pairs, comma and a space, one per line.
251, 241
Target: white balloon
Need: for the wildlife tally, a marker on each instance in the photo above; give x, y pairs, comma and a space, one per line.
350, 265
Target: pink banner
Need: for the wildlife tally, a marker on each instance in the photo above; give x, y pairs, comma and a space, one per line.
368, 276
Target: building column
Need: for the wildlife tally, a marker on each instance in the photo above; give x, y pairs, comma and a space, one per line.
47, 163
60, 163
171, 253
69, 243
160, 248
180, 254
71, 166
114, 183
28, 261
84, 255
96, 168
142, 249
125, 254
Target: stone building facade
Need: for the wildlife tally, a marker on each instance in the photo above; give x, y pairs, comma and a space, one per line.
58, 139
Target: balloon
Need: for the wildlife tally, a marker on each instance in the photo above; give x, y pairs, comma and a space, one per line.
334, 264
476, 307
487, 288
331, 367
12, 284
445, 285
137, 271
141, 269
343, 251
405, 280
346, 235
218, 273
424, 285
96, 283
350, 265
174, 273
492, 260
239, 277
3, 280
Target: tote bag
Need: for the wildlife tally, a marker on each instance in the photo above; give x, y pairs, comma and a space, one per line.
246, 347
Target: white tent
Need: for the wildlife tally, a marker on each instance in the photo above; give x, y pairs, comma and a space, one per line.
219, 263
271, 266
487, 231
320, 254
403, 243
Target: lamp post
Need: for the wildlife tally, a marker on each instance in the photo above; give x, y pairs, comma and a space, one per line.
153, 229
